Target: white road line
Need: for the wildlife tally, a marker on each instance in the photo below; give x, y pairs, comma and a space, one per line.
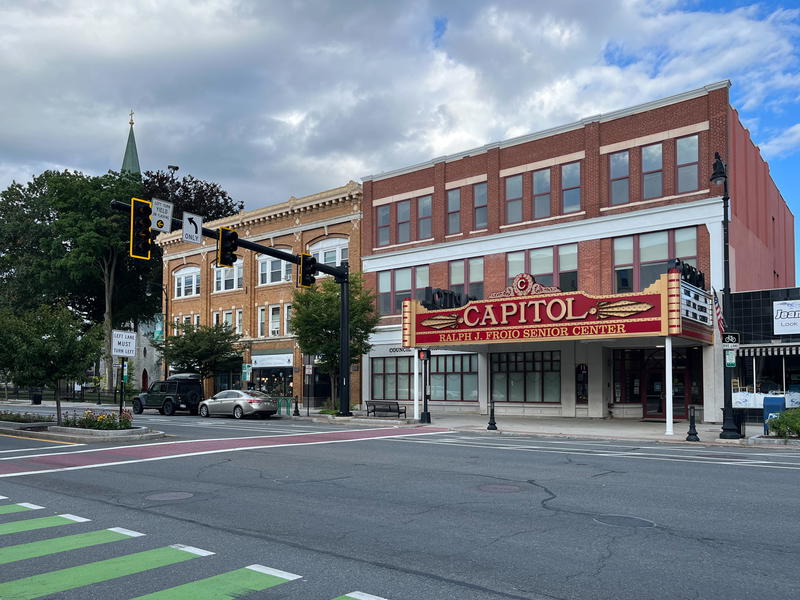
640, 455
127, 532
193, 550
29, 505
362, 596
75, 518
275, 572
218, 451
34, 449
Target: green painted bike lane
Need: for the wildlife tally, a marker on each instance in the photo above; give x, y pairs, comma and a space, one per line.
39, 523
104, 570
12, 554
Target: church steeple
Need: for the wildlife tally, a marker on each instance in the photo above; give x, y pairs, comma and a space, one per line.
130, 162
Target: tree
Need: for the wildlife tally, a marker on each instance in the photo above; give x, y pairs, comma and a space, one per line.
201, 349
53, 344
315, 322
9, 345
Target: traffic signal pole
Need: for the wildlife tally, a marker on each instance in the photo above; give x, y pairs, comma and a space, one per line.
340, 274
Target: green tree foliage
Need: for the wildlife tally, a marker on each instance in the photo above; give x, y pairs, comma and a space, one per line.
201, 349
315, 322
51, 344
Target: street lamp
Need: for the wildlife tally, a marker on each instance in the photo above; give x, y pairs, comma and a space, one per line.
720, 176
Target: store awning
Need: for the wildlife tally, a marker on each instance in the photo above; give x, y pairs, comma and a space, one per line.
770, 350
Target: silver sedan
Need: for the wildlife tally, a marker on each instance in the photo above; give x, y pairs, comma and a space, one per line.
239, 403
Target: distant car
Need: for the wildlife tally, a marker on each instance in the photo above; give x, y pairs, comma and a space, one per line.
239, 404
183, 391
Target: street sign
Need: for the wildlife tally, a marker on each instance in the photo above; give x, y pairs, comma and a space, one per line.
309, 369
246, 371
192, 228
123, 343
730, 340
730, 358
161, 216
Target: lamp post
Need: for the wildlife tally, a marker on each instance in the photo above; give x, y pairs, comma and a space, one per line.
720, 176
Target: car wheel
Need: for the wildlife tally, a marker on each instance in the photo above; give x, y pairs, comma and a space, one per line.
169, 408
238, 413
204, 411
137, 406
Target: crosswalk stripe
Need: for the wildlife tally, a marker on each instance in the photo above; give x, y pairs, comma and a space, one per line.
7, 509
83, 575
61, 544
226, 586
359, 596
39, 523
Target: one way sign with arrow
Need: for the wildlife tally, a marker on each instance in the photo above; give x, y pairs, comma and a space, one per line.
192, 228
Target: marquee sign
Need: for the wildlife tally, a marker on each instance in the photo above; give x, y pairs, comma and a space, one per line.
520, 314
548, 316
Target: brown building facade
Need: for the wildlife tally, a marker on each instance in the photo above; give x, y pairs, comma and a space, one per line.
600, 207
254, 296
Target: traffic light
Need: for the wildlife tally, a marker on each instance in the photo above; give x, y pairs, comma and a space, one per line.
227, 244
308, 270
424, 353
140, 228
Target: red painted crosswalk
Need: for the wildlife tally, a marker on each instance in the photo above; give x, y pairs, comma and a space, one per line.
94, 458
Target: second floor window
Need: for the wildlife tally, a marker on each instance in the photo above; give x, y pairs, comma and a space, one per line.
652, 172
466, 276
687, 152
552, 265
399, 284
274, 321
639, 260
330, 251
571, 187
514, 199
187, 282
541, 194
479, 202
228, 278
618, 171
453, 211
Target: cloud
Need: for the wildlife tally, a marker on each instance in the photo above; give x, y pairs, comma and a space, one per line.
784, 144
273, 99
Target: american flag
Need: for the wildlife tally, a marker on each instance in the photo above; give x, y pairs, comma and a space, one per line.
718, 314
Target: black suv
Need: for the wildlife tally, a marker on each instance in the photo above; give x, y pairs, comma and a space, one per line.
182, 391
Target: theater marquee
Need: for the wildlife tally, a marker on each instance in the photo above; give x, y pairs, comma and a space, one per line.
527, 311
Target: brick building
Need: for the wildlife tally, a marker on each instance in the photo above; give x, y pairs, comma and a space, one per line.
597, 207
254, 296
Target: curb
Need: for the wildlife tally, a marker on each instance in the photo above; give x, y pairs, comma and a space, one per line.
50, 431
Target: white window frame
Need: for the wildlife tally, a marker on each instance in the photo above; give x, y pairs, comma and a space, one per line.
330, 244
197, 320
224, 274
287, 318
175, 323
265, 271
215, 319
274, 331
190, 275
262, 323
239, 321
227, 318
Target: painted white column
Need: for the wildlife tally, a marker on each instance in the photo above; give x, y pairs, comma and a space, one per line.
483, 382
416, 385
668, 382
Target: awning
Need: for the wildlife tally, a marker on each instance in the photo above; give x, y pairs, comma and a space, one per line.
771, 350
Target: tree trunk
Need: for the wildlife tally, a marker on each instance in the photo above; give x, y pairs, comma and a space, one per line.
109, 266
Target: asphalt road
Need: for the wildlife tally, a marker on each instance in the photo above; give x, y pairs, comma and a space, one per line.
404, 516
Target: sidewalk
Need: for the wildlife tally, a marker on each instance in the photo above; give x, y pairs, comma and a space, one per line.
583, 428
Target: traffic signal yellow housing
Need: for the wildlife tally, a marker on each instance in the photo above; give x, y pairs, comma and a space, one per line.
140, 243
308, 270
227, 244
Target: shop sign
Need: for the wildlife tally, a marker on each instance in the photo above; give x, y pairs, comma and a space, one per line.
695, 304
247, 369
786, 317
272, 360
549, 316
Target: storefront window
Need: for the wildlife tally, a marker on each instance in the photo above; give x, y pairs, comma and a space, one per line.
454, 377
526, 376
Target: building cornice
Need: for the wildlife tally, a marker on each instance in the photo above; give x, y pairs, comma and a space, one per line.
601, 118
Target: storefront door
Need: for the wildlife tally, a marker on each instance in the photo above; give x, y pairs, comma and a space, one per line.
655, 394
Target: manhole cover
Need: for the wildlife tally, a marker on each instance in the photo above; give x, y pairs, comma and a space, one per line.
499, 488
622, 521
170, 496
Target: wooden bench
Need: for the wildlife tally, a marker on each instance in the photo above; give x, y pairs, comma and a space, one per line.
384, 407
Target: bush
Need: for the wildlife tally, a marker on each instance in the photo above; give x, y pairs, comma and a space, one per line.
787, 424
15, 417
103, 420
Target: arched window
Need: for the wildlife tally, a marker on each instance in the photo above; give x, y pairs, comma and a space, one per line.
187, 282
330, 251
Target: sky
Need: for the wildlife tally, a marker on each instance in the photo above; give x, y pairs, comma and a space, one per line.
273, 99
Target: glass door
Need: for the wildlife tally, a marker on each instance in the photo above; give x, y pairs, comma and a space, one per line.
654, 394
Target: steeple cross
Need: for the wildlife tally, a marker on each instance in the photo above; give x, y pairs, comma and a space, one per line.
131, 121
